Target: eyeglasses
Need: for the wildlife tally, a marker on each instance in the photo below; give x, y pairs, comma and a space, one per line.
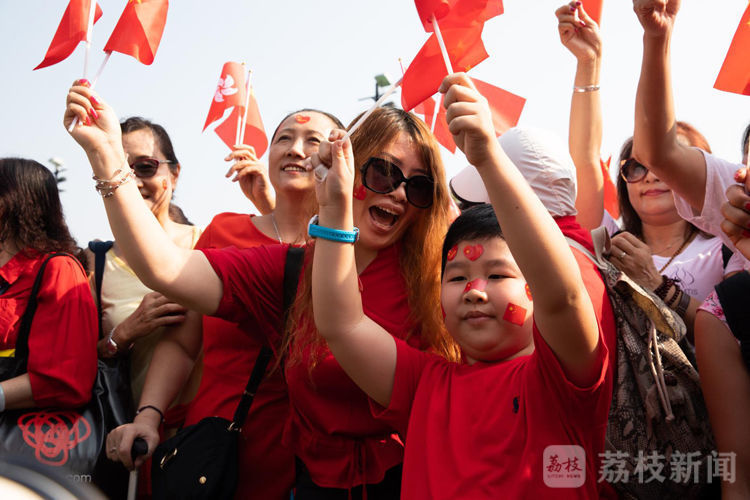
631, 171
146, 168
382, 176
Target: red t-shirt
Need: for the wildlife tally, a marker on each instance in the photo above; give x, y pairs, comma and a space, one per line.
62, 340
480, 431
266, 465
330, 426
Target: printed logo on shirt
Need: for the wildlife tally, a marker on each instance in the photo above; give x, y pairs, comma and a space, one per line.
52, 434
564, 466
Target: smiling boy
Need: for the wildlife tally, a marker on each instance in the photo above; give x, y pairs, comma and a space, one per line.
524, 415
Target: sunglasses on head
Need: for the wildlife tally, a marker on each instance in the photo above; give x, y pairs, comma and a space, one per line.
382, 176
632, 171
145, 168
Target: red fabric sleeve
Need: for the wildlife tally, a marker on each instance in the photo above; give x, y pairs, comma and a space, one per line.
62, 342
410, 364
253, 280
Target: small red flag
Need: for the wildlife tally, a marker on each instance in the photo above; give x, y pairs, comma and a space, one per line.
71, 31
506, 107
230, 91
139, 30
427, 70
457, 13
735, 72
255, 133
441, 131
429, 8
611, 204
594, 9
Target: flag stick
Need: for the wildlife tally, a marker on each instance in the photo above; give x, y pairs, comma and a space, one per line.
443, 50
435, 114
373, 108
89, 28
248, 87
93, 84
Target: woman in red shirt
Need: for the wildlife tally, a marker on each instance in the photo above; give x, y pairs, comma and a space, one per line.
330, 429
62, 341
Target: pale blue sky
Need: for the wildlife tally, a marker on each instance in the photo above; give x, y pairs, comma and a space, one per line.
324, 54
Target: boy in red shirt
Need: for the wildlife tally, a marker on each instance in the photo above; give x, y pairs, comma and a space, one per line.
525, 415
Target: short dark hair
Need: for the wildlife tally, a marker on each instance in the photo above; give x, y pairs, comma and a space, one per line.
477, 222
330, 116
31, 214
746, 139
163, 142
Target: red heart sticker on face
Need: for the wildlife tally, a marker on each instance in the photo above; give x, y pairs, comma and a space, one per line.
473, 252
302, 118
452, 253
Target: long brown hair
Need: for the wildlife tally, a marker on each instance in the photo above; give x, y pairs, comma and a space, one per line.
420, 245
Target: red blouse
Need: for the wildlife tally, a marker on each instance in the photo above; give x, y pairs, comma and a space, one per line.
62, 341
330, 427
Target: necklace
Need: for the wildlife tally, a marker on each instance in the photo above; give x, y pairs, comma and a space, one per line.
677, 252
276, 228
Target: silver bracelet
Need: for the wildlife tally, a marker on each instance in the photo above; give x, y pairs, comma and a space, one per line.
587, 88
108, 188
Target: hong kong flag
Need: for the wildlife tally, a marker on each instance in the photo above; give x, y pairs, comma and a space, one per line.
230, 91
427, 69
139, 30
254, 134
735, 72
73, 29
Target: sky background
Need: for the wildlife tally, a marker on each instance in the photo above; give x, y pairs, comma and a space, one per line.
324, 54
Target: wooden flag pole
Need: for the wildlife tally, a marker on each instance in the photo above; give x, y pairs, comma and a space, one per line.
443, 50
93, 84
248, 89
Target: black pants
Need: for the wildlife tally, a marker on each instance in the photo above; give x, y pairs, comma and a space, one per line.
388, 489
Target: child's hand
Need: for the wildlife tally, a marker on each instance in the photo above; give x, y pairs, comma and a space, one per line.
335, 186
98, 129
736, 211
656, 16
252, 175
469, 118
578, 32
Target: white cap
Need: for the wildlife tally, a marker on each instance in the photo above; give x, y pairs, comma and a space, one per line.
542, 158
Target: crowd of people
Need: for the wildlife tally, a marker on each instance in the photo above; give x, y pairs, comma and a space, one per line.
426, 353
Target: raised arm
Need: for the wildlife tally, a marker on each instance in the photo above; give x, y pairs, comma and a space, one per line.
562, 308
182, 275
365, 351
655, 136
252, 174
580, 35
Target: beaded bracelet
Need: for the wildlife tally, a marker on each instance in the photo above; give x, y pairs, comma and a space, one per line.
676, 297
663, 289
107, 188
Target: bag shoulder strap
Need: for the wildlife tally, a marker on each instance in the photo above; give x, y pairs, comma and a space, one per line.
733, 293
100, 249
292, 269
726, 254
22, 340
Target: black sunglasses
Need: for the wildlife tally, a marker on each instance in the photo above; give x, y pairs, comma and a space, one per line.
146, 168
382, 176
632, 171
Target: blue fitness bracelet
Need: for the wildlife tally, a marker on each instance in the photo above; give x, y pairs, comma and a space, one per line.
316, 231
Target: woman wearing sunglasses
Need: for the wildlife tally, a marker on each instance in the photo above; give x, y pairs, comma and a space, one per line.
401, 208
134, 316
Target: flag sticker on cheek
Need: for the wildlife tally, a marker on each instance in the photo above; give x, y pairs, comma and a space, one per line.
359, 192
452, 253
301, 118
528, 291
476, 284
514, 314
473, 252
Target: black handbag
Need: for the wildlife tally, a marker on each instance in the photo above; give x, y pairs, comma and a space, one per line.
201, 461
63, 439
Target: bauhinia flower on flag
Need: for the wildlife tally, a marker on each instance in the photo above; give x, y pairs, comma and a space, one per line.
426, 71
72, 30
734, 75
230, 91
139, 30
254, 134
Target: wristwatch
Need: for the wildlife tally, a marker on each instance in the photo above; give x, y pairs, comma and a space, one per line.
314, 230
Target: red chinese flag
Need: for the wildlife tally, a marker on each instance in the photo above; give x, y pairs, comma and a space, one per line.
611, 204
429, 8
71, 31
230, 91
735, 72
255, 133
465, 13
139, 30
422, 78
594, 9
506, 107
441, 130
